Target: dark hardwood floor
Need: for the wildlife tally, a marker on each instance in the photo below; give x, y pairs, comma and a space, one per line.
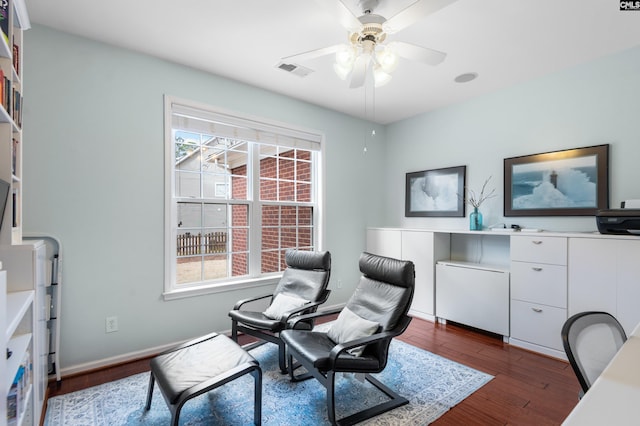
528, 388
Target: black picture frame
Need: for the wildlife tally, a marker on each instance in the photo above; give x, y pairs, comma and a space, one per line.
435, 193
570, 182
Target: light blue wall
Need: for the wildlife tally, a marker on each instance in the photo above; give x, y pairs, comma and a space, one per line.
93, 176
591, 104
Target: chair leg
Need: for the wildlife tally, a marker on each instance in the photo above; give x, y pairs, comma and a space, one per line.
331, 405
175, 417
257, 396
282, 357
150, 391
395, 401
234, 330
291, 367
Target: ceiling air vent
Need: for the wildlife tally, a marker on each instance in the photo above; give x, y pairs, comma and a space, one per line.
295, 69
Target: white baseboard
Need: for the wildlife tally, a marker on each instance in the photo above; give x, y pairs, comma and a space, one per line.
422, 315
132, 356
538, 349
107, 362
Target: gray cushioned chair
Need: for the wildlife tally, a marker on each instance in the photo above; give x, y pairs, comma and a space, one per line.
306, 277
590, 340
382, 298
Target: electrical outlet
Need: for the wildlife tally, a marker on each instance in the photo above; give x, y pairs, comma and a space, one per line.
339, 284
111, 324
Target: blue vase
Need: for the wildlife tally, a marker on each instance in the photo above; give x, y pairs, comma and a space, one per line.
475, 220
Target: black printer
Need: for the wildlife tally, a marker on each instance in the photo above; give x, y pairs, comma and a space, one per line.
618, 221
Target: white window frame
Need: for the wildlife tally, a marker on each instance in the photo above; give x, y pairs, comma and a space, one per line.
255, 278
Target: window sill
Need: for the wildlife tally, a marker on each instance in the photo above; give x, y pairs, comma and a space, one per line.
220, 287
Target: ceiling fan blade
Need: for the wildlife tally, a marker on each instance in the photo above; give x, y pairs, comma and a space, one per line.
359, 71
413, 13
337, 9
417, 53
312, 54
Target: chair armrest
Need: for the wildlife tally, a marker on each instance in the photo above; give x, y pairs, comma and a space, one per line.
402, 325
376, 337
239, 304
287, 315
314, 315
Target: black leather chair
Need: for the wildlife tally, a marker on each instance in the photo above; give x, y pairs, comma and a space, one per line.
375, 313
590, 340
306, 279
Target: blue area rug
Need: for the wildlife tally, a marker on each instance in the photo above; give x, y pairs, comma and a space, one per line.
431, 383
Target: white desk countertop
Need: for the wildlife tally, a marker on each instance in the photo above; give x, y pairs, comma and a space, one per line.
615, 395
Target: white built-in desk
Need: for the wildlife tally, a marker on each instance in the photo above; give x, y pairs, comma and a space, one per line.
548, 277
614, 396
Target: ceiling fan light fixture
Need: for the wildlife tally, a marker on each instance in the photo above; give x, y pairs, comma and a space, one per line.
380, 77
387, 60
345, 56
342, 71
366, 49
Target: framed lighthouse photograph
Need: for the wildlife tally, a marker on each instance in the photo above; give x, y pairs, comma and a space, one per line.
572, 182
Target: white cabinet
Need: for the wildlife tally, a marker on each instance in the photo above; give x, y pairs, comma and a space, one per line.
424, 249
385, 242
474, 295
538, 292
26, 330
592, 272
628, 284
604, 275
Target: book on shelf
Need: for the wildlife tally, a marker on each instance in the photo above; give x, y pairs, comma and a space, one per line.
4, 20
6, 93
16, 57
16, 107
14, 157
14, 198
2, 79
17, 396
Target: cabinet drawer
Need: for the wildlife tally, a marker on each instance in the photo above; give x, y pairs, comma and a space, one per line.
537, 324
539, 283
551, 250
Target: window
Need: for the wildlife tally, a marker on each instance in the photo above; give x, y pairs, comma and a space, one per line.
239, 193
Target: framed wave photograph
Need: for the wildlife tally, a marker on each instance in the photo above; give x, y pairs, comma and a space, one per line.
572, 182
432, 193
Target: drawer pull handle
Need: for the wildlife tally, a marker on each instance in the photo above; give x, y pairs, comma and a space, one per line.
538, 310
537, 269
537, 242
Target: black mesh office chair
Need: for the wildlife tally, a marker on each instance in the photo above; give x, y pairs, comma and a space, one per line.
302, 288
358, 341
590, 340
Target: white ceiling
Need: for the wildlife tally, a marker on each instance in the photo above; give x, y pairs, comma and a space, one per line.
505, 41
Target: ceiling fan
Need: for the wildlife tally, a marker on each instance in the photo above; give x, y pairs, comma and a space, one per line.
367, 33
